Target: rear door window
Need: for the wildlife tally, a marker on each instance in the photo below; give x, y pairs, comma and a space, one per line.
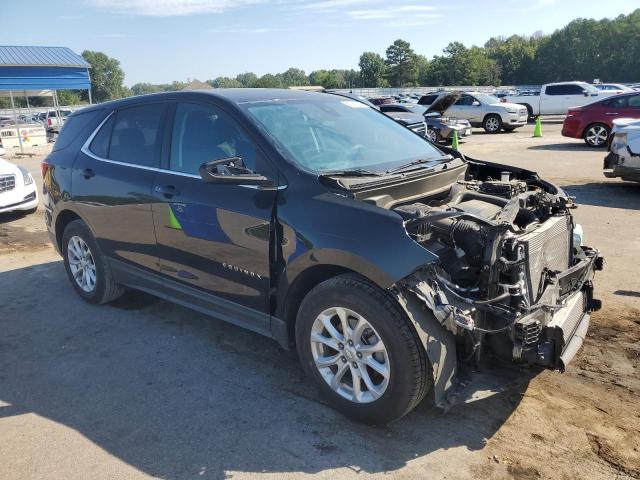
634, 101
136, 135
100, 143
73, 126
465, 100
555, 90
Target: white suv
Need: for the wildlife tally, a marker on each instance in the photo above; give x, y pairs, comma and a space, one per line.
484, 110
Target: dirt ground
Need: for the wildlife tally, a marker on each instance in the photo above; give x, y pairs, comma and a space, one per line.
145, 389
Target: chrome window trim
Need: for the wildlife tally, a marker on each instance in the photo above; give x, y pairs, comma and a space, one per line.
85, 149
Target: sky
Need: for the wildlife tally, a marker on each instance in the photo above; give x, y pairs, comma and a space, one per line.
159, 41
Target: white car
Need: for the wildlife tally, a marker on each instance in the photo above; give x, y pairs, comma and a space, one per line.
18, 191
557, 98
613, 87
623, 159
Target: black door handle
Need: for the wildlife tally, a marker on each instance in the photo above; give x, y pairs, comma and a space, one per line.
168, 191
88, 173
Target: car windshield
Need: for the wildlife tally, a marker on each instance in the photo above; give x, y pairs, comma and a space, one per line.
589, 88
331, 134
486, 98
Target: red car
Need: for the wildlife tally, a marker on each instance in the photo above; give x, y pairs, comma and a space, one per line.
593, 122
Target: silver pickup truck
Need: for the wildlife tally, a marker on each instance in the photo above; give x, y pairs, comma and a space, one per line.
483, 110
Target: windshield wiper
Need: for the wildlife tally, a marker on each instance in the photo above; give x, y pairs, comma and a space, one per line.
418, 162
355, 172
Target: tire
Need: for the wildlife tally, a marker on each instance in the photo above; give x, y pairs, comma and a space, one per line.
103, 289
596, 135
492, 123
404, 359
433, 136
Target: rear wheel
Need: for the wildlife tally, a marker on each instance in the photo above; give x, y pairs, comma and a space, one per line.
596, 135
87, 267
492, 123
361, 351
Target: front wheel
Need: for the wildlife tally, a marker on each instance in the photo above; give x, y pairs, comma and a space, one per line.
596, 135
361, 351
432, 135
492, 123
87, 267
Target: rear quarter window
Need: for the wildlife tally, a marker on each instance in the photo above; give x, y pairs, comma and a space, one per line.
75, 125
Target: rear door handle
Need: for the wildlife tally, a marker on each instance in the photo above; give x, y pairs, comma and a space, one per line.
168, 191
612, 113
88, 173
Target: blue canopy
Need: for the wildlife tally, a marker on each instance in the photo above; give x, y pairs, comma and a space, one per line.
42, 68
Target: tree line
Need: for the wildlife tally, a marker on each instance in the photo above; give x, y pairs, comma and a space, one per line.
584, 49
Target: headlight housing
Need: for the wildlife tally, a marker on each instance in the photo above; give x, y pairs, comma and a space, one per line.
511, 110
28, 179
578, 235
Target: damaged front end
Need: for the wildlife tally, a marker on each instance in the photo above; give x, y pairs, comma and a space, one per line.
512, 281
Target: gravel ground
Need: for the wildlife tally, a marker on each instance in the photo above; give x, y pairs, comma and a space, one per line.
146, 389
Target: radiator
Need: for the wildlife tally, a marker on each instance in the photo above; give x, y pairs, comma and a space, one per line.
546, 248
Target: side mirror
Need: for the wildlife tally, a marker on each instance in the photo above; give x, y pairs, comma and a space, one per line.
476, 103
231, 171
586, 93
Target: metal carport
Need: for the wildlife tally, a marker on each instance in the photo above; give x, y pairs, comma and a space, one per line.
27, 70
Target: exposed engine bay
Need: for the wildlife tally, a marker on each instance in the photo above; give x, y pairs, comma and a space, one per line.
512, 280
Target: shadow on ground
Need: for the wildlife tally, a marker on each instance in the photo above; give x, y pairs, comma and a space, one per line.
567, 146
9, 217
179, 395
606, 194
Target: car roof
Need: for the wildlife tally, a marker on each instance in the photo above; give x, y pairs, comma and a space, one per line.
230, 95
569, 83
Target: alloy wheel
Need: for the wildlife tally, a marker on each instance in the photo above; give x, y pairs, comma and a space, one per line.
350, 355
432, 135
82, 264
596, 135
492, 124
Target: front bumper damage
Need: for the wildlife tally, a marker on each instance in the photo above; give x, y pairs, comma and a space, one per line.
626, 169
547, 335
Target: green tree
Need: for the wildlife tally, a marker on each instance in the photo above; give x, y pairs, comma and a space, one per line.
373, 70
514, 56
293, 77
268, 81
248, 79
225, 82
402, 65
106, 77
462, 66
146, 88
423, 69
70, 97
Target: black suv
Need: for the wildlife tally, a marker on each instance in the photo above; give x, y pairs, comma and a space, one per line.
395, 267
